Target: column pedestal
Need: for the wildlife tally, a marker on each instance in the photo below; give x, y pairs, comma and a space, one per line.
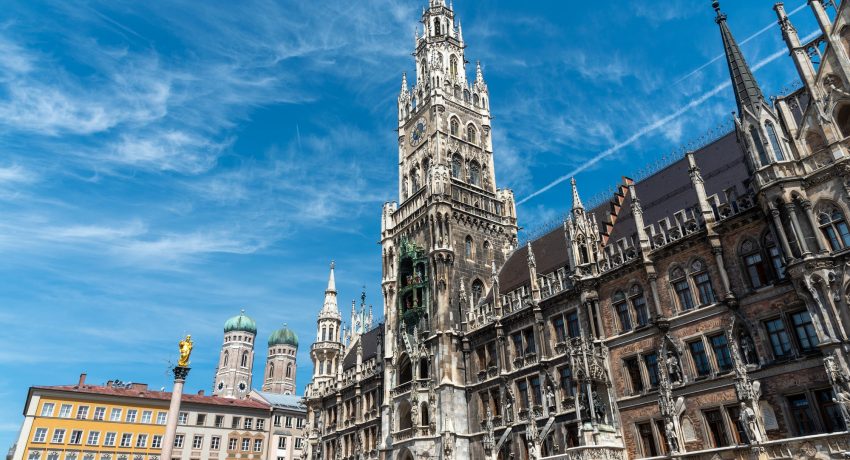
180, 374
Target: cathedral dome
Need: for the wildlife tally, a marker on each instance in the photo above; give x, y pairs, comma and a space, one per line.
240, 323
284, 336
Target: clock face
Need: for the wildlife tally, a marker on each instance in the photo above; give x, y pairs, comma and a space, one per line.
418, 132
241, 386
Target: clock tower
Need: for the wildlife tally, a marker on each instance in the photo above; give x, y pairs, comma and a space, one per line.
440, 241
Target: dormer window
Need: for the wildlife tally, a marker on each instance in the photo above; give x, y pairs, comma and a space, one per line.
759, 145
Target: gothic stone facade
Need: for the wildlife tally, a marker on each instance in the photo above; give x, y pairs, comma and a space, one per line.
701, 313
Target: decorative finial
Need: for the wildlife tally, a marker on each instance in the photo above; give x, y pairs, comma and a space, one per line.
333, 264
242, 312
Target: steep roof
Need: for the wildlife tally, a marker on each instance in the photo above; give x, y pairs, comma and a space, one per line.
369, 341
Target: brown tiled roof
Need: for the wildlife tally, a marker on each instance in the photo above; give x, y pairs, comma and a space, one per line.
144, 393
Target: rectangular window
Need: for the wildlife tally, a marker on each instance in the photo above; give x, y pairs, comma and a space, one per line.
572, 324
183, 418
160, 418
215, 443
288, 422
178, 440
806, 336
156, 442
777, 261
700, 359
535, 391
704, 289
58, 436
99, 413
830, 412
40, 435
115, 415
721, 352
246, 444
780, 343
299, 442
633, 370
625, 319
47, 409
756, 270
567, 388
142, 440
641, 311
518, 348
716, 428
94, 438
219, 421
232, 443
683, 292
261, 424
249, 423
65, 411
560, 328
235, 422
522, 389
147, 416
76, 437
530, 346
277, 420
281, 442
647, 440
126, 439
197, 441
651, 362
201, 419
82, 412
109, 439
801, 413
131, 415
258, 445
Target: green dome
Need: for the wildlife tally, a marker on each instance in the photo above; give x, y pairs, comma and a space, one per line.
240, 323
283, 336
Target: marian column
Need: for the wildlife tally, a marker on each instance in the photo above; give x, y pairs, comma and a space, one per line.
180, 373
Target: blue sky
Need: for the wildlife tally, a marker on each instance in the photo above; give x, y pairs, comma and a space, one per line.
165, 164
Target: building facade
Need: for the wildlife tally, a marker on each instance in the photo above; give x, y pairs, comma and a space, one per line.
701, 313
120, 421
287, 437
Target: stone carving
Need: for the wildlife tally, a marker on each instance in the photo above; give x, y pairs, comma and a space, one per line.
688, 431
550, 397
768, 416
750, 423
747, 390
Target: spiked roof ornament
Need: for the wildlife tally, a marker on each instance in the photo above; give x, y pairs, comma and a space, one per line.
747, 91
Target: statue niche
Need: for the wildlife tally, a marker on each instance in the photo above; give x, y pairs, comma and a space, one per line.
413, 287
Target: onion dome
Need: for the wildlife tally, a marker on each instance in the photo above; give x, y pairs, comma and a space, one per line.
240, 323
284, 336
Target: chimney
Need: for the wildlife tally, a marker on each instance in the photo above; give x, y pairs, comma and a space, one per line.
200, 392
82, 379
139, 386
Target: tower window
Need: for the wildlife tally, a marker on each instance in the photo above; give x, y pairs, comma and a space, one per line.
477, 291
834, 228
759, 145
453, 66
842, 117
454, 126
457, 166
468, 247
774, 141
224, 363
245, 359
271, 370
474, 174
471, 134
289, 370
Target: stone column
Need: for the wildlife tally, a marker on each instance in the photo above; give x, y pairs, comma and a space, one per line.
180, 374
780, 233
819, 238
798, 230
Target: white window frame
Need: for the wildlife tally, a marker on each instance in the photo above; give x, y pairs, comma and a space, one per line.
47, 409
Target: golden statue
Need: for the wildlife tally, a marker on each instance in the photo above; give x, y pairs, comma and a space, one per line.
185, 350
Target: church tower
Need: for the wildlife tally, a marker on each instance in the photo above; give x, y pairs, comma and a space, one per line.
326, 350
280, 362
236, 362
441, 240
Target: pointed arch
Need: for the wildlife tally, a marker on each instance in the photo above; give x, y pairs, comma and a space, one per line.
457, 166
424, 419
225, 359
454, 126
453, 67
775, 144
842, 119
474, 173
289, 370
477, 291
405, 370
469, 249
754, 266
244, 362
405, 418
755, 137
833, 225
471, 134
271, 371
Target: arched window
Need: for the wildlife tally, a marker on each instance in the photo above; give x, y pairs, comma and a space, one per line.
405, 421
814, 141
477, 291
457, 166
466, 95
289, 370
414, 180
426, 169
834, 227
702, 281
471, 134
245, 359
455, 126
754, 265
271, 370
639, 306
405, 371
453, 66
486, 247
774, 141
226, 358
777, 261
437, 31
475, 100
468, 245
474, 174
331, 335
842, 118
324, 334
621, 307
423, 368
759, 145
425, 419
404, 188
682, 288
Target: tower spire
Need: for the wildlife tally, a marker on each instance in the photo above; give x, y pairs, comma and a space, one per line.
747, 91
330, 305
577, 204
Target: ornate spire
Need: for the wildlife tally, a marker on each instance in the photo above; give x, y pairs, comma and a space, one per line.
747, 91
479, 75
330, 305
404, 87
459, 32
577, 204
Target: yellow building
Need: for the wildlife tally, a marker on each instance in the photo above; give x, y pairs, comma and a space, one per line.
120, 421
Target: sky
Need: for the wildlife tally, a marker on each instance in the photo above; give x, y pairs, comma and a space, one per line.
164, 165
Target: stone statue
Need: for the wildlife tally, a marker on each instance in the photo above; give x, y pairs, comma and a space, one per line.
673, 368
598, 407
750, 423
672, 436
842, 398
550, 397
185, 347
748, 349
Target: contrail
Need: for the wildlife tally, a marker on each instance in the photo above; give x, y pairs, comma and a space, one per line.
767, 28
658, 123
